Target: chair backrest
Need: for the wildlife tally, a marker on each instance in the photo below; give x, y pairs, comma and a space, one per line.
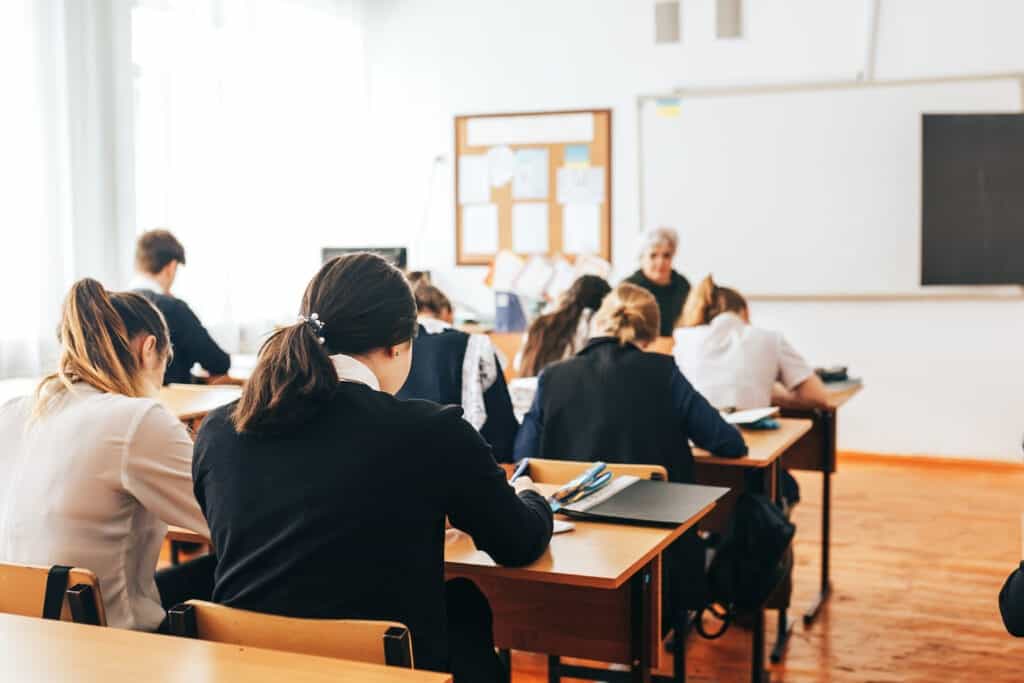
23, 592
376, 642
561, 471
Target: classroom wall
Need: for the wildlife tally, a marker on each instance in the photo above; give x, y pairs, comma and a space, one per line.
943, 377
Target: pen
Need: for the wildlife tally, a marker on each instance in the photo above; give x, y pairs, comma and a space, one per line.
520, 470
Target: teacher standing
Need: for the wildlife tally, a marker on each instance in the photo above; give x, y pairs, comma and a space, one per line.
670, 289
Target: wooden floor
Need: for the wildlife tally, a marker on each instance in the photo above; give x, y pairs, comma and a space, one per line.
920, 551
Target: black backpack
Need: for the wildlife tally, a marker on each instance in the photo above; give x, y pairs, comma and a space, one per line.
750, 561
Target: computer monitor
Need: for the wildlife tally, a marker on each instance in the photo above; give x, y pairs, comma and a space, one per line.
395, 255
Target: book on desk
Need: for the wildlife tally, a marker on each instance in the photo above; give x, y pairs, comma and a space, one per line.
644, 501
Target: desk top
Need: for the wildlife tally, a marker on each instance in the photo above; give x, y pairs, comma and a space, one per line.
41, 650
190, 401
765, 446
841, 392
595, 554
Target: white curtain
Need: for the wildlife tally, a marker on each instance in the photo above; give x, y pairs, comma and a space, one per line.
60, 214
250, 120
238, 124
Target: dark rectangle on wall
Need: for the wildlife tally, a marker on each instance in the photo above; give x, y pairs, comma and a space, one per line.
972, 199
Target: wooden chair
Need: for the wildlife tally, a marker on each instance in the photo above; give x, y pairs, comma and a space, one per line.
562, 471
376, 642
25, 589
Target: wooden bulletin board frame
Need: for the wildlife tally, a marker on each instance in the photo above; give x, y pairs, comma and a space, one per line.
600, 156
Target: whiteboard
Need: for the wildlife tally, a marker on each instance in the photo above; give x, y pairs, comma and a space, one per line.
800, 191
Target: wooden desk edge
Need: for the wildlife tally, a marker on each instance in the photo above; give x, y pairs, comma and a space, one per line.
526, 574
702, 456
216, 649
840, 397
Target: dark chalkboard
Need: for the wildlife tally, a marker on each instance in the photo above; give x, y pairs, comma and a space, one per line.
972, 199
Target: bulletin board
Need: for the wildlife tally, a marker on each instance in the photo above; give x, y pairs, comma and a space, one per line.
534, 183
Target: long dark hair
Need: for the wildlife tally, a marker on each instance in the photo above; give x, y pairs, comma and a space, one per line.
96, 331
363, 303
551, 333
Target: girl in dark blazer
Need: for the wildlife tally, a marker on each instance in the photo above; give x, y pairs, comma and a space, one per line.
327, 496
615, 402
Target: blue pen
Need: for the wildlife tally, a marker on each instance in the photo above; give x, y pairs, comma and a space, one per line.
520, 470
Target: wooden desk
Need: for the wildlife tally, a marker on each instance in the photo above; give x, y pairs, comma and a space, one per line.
41, 650
816, 452
191, 402
764, 446
594, 594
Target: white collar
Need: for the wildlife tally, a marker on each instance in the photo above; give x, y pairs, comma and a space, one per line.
432, 325
350, 369
727, 321
141, 281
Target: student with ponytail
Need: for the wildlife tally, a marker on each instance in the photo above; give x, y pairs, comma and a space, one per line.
561, 333
737, 365
327, 496
93, 468
616, 403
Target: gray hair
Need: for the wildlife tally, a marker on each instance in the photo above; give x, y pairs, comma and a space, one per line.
655, 236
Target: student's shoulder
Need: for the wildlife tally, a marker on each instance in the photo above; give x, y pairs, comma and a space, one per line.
141, 416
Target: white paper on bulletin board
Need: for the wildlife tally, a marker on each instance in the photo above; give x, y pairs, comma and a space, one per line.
474, 179
581, 228
530, 228
529, 130
531, 178
480, 228
581, 185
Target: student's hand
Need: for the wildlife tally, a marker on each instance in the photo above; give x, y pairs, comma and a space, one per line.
525, 484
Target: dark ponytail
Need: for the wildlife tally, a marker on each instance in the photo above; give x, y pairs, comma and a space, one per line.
707, 300
96, 330
551, 333
361, 303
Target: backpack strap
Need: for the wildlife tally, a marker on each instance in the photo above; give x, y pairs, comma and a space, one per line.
56, 586
725, 616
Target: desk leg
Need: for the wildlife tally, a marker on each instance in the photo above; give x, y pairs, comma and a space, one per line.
757, 654
640, 587
811, 614
505, 655
782, 634
554, 669
682, 630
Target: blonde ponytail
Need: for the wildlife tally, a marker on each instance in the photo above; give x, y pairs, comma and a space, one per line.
630, 314
96, 330
707, 300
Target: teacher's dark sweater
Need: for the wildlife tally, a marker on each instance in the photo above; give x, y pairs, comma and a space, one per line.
343, 517
670, 297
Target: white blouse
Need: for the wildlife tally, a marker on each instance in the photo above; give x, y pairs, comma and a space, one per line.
94, 483
735, 365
